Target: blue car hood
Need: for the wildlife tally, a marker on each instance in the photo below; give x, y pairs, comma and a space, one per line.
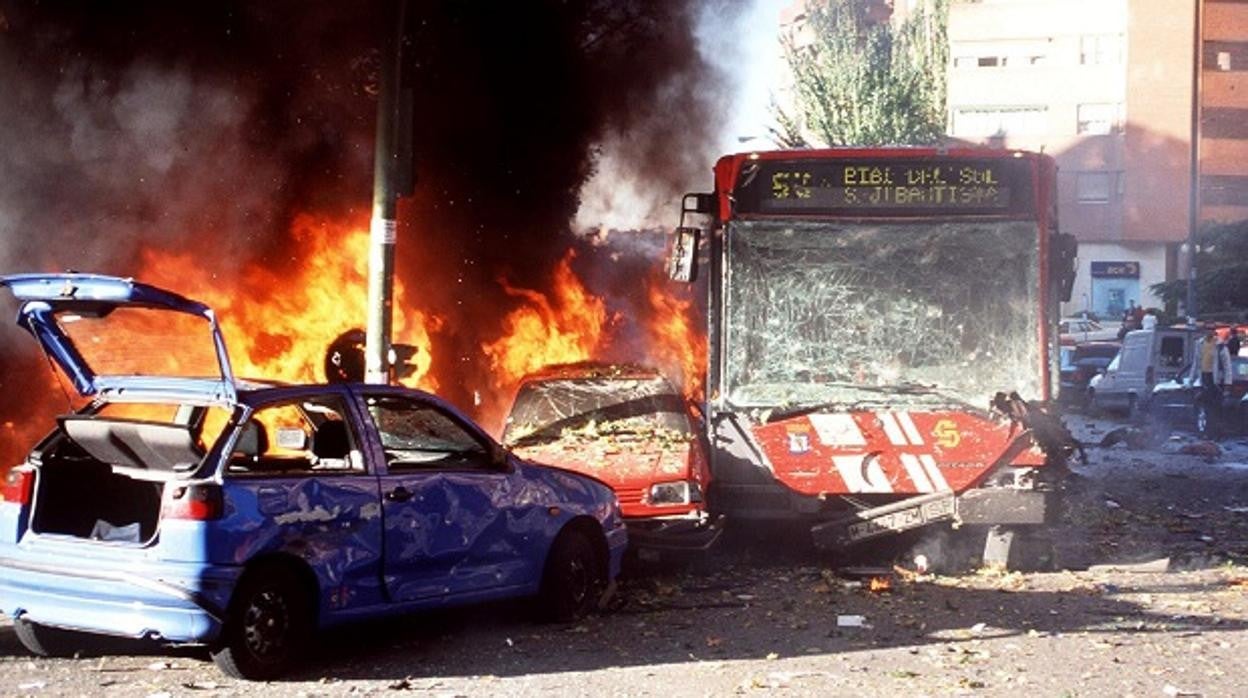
52, 304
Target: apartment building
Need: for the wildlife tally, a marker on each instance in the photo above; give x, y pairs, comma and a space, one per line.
1107, 86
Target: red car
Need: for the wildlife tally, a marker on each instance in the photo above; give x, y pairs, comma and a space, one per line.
630, 428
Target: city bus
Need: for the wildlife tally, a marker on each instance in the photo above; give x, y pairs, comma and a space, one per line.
866, 309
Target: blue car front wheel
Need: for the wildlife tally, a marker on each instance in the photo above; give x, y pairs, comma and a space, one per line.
573, 579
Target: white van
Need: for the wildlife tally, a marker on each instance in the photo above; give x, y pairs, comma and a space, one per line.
1147, 358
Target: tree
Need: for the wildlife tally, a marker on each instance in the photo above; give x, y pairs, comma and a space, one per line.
1222, 272
865, 81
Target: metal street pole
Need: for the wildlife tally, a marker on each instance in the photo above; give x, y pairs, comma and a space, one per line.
1193, 220
383, 228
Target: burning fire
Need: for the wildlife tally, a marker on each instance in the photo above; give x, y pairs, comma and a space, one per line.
674, 336
564, 329
279, 324
879, 585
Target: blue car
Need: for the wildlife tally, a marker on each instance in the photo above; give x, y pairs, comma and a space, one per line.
186, 506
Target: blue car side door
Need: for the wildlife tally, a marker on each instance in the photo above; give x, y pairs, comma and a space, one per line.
299, 484
453, 521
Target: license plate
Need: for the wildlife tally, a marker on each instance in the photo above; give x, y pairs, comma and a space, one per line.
901, 520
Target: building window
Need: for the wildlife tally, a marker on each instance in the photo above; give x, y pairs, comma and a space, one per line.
1098, 118
1100, 49
1000, 54
1092, 187
998, 121
1225, 56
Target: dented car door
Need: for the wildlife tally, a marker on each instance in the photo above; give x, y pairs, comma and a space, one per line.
300, 485
447, 502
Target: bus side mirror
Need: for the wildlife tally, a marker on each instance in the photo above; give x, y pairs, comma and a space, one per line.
682, 261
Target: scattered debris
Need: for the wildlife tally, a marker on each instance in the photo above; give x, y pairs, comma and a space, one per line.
161, 665
851, 621
1205, 449
1133, 438
1159, 565
862, 572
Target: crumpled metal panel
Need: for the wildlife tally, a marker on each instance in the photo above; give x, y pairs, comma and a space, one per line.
333, 522
851, 312
885, 451
629, 431
465, 532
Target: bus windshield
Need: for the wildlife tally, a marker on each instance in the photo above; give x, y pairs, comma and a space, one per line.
848, 313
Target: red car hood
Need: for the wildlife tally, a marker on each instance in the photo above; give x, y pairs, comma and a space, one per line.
619, 464
902, 452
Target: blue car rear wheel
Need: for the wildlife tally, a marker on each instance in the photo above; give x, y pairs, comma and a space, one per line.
267, 627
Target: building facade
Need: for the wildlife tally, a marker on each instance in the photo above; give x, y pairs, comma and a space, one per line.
1137, 99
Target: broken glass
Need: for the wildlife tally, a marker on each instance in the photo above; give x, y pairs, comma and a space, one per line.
883, 313
587, 408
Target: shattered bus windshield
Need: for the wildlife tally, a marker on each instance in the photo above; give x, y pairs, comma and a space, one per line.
893, 313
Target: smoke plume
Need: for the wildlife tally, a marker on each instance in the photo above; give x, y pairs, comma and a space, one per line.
206, 127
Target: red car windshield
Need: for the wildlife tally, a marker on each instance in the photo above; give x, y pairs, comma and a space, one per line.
548, 410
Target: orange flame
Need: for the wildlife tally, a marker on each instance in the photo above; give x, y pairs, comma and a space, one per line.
880, 585
278, 325
676, 341
544, 331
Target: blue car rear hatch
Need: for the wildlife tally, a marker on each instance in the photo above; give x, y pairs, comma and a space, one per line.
114, 336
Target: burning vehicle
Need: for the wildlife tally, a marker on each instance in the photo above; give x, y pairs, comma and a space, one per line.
629, 427
187, 506
883, 336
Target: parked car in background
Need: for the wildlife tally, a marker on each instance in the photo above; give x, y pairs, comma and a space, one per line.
1084, 330
1147, 357
1178, 402
1080, 363
188, 507
629, 427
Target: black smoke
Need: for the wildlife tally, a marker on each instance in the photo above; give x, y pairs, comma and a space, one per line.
205, 127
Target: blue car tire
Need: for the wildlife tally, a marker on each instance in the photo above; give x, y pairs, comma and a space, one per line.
267, 627
573, 579
45, 641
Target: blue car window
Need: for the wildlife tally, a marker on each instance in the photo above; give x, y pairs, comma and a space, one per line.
308, 435
418, 435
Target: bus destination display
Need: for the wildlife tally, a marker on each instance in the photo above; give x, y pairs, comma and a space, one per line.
896, 187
